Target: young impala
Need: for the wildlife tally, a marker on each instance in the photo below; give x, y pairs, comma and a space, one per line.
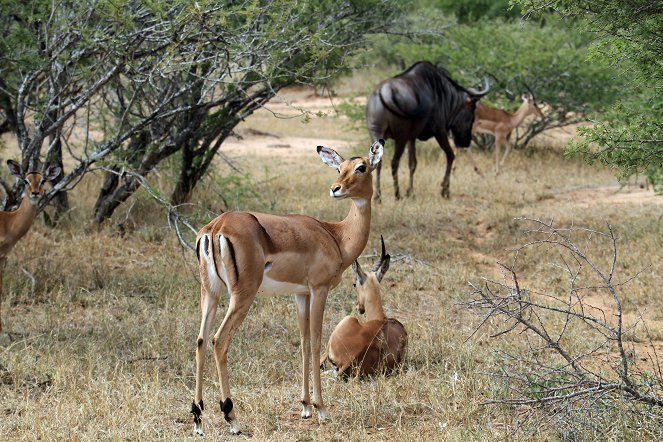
379, 344
14, 225
500, 123
254, 253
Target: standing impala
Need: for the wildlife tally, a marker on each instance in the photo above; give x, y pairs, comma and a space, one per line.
14, 225
500, 123
379, 344
254, 253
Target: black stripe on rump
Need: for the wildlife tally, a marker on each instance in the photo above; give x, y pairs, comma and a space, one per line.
231, 249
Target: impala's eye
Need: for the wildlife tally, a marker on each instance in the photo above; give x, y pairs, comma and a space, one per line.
361, 168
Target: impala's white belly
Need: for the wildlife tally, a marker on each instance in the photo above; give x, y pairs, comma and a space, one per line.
271, 287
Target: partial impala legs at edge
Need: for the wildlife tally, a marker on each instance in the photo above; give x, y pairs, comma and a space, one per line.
14, 225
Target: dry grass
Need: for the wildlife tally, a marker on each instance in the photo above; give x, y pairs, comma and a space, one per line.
104, 349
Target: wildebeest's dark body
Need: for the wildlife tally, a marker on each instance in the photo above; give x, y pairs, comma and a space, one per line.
421, 103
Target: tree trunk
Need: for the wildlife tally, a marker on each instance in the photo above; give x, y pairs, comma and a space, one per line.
108, 201
61, 199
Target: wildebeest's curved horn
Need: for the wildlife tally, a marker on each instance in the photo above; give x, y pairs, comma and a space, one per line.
479, 94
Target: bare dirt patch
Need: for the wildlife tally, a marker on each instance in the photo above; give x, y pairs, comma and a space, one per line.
588, 197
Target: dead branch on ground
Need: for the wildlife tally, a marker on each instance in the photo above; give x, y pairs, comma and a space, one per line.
577, 358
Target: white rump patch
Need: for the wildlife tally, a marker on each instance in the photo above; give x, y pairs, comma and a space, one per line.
223, 247
214, 282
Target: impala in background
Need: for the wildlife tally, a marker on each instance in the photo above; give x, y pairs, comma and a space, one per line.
500, 123
14, 225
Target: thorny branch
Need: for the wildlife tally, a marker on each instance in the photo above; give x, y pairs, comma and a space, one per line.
566, 365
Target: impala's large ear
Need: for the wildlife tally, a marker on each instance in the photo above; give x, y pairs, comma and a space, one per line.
375, 154
15, 168
330, 157
51, 172
361, 276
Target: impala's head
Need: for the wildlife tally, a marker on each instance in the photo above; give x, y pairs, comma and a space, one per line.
34, 181
354, 179
532, 106
368, 284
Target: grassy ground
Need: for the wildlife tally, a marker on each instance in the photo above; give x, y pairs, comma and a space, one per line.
101, 346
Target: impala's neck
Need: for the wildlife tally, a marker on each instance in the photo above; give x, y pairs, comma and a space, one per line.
372, 303
518, 116
352, 233
17, 223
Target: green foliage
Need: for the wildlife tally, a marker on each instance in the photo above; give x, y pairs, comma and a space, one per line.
626, 137
551, 57
628, 37
468, 11
157, 77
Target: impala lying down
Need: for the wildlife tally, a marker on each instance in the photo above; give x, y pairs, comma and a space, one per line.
252, 253
379, 344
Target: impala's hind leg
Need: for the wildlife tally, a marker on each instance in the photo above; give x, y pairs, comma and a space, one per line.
208, 306
238, 307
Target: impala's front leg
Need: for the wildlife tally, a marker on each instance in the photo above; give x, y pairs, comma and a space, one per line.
318, 299
303, 319
238, 307
208, 306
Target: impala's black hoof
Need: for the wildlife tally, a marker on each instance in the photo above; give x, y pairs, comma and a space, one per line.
226, 407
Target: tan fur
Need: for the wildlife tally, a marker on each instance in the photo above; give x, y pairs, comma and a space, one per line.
259, 253
376, 346
14, 225
500, 123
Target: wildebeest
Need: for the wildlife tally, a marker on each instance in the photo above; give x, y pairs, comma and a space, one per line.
422, 102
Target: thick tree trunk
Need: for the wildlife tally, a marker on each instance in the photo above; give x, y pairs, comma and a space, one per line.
61, 199
188, 177
109, 201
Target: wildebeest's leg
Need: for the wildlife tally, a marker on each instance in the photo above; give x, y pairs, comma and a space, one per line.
378, 193
395, 161
412, 162
443, 141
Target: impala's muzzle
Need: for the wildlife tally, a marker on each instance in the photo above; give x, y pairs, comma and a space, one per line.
336, 191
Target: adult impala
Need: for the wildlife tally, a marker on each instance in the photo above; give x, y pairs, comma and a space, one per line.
14, 225
379, 344
500, 123
254, 253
